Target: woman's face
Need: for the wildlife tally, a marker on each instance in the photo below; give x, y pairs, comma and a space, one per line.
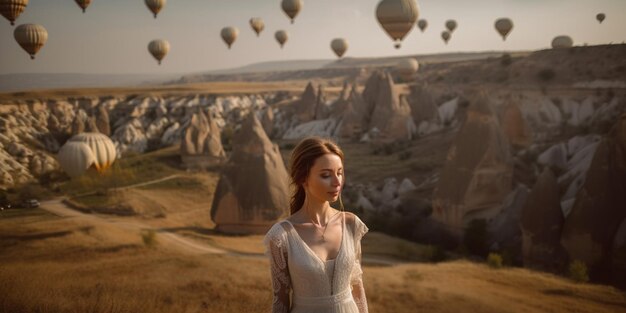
325, 178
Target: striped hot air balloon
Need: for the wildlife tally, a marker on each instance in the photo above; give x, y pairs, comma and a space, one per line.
291, 8
11, 9
31, 37
229, 35
101, 146
397, 18
257, 25
75, 158
159, 49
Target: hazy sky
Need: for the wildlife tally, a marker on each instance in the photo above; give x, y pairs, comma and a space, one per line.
113, 35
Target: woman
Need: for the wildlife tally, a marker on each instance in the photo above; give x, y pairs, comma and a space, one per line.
315, 253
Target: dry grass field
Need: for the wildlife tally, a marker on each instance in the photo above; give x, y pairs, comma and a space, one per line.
95, 264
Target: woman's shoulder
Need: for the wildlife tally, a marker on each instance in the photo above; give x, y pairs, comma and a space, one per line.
278, 229
356, 225
352, 218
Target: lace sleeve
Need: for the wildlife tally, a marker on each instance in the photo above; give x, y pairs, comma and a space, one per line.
356, 279
276, 249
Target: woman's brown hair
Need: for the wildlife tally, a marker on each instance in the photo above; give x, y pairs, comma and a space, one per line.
302, 159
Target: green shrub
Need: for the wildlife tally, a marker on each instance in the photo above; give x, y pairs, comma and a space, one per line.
578, 271
435, 253
494, 260
32, 190
149, 238
228, 132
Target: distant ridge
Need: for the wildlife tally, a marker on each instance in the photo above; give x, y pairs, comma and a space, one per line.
30, 81
255, 71
272, 66
423, 58
305, 69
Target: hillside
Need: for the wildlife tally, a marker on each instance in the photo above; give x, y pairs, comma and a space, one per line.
61, 264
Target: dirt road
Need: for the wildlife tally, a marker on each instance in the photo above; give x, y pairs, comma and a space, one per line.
171, 240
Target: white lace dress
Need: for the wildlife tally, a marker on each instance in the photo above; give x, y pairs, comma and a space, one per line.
304, 283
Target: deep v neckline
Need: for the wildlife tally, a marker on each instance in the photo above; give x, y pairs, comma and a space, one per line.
306, 246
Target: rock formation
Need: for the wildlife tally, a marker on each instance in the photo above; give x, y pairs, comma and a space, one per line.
478, 172
202, 145
253, 190
514, 126
600, 205
387, 110
541, 224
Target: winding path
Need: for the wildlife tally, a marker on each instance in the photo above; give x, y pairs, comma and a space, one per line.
169, 239
58, 208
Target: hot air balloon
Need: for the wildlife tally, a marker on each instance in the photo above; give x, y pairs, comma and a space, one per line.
75, 158
397, 18
562, 42
291, 8
451, 25
159, 49
445, 35
257, 25
504, 26
600, 17
281, 37
101, 146
339, 46
422, 24
229, 35
406, 68
83, 4
155, 6
31, 37
11, 9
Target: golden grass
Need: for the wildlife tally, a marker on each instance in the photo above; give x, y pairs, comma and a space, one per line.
380, 244
52, 264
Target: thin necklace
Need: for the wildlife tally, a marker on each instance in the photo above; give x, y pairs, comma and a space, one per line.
325, 226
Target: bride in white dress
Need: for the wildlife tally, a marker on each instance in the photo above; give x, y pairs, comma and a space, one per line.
315, 254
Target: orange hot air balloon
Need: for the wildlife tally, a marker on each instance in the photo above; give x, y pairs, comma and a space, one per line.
83, 4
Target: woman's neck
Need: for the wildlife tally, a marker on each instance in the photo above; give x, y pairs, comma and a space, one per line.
318, 213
